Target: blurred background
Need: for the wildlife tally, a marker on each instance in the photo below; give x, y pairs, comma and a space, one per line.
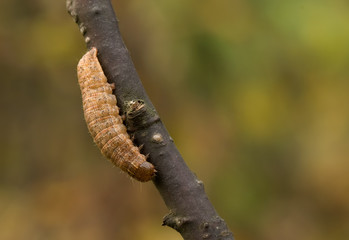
254, 93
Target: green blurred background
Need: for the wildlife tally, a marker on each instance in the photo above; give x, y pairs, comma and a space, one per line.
254, 93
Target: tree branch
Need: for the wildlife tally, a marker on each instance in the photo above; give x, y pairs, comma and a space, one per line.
191, 213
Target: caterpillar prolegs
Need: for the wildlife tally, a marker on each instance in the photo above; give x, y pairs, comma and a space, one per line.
104, 122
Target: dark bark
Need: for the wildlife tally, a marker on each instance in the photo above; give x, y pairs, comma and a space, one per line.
191, 213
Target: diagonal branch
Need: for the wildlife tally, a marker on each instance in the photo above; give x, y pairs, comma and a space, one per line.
191, 213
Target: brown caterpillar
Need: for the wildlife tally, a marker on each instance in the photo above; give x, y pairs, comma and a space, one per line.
104, 122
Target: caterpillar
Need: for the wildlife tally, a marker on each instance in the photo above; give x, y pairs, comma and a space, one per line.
104, 122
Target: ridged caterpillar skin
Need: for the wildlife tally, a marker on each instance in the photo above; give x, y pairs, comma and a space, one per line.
104, 122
